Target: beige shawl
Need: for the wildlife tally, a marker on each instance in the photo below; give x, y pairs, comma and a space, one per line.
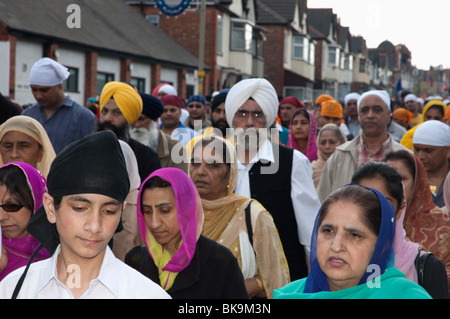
224, 222
33, 128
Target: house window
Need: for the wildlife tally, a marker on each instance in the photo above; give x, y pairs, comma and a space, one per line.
347, 62
257, 45
241, 36
362, 65
219, 33
311, 52
138, 83
190, 90
286, 45
296, 91
153, 19
71, 84
333, 55
299, 48
102, 79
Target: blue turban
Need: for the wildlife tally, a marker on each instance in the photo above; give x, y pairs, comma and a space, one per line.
152, 106
197, 98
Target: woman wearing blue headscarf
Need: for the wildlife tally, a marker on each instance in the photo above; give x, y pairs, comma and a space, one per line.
351, 251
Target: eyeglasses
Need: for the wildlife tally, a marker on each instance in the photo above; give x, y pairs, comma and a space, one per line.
11, 208
243, 115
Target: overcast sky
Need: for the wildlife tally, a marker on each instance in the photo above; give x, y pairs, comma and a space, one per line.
423, 26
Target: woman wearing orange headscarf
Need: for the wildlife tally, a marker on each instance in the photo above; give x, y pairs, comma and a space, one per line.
424, 223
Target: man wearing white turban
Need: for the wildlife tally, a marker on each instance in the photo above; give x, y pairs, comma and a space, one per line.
432, 146
64, 120
167, 89
411, 105
351, 118
280, 178
371, 145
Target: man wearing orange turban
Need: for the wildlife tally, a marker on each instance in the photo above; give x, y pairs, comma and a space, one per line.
120, 106
403, 117
332, 113
318, 106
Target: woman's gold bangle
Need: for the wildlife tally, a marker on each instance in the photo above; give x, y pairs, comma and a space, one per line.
259, 282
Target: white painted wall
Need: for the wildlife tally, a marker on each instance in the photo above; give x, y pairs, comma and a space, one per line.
108, 64
27, 53
169, 75
143, 71
192, 79
4, 67
223, 59
74, 59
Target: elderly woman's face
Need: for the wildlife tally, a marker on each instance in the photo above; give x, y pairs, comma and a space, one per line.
328, 141
160, 214
16, 146
344, 245
209, 173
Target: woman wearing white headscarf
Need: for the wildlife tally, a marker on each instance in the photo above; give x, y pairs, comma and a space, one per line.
12, 133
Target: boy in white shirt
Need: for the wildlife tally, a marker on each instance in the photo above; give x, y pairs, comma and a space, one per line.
87, 187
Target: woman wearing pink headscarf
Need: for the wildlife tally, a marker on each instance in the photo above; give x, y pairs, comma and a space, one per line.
21, 190
302, 133
176, 255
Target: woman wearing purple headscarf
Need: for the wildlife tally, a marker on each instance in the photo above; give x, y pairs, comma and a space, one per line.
176, 255
302, 133
21, 191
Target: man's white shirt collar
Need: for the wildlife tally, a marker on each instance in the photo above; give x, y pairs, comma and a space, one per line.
106, 275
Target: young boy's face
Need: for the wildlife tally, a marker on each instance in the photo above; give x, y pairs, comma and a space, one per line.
85, 222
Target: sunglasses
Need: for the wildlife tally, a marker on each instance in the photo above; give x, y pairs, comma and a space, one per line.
11, 208
197, 106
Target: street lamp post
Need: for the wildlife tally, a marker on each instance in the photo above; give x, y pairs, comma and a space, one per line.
201, 48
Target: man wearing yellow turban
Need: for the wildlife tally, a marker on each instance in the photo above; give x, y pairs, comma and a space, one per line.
120, 106
125, 97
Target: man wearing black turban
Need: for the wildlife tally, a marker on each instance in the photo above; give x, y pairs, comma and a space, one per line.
146, 131
87, 186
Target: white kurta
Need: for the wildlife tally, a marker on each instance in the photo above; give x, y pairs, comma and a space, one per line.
116, 280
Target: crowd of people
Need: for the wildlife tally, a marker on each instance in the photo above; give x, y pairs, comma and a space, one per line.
242, 195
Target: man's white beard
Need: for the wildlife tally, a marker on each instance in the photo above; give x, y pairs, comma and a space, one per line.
145, 136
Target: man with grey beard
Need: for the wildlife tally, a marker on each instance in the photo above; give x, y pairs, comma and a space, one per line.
146, 131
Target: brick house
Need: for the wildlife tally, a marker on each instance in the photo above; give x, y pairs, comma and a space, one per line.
383, 59
323, 28
111, 42
361, 77
233, 41
288, 49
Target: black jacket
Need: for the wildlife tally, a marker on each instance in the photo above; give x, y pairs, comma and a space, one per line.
273, 191
213, 273
147, 159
